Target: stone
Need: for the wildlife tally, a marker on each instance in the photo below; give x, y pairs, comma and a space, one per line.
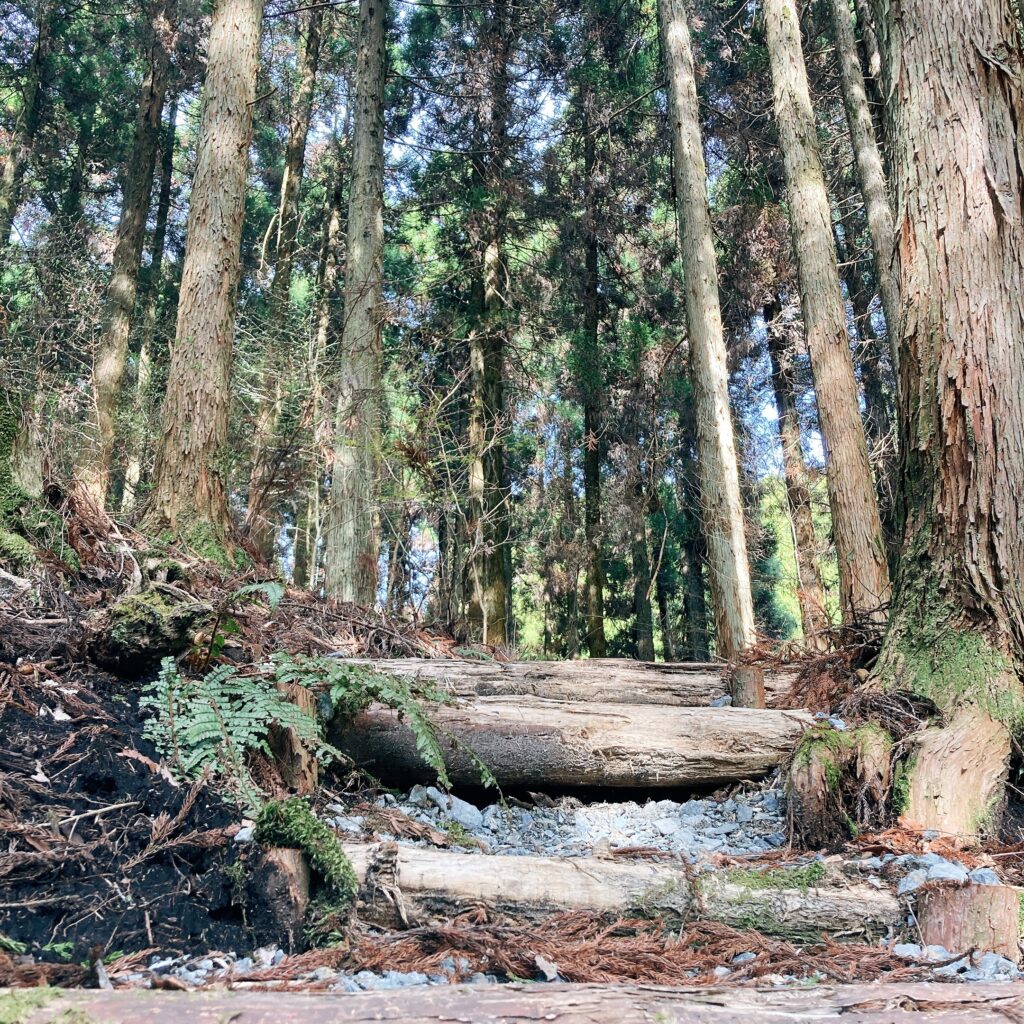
907, 950
245, 834
243, 966
948, 872
722, 702
744, 958
775, 839
984, 876
418, 797
692, 809
744, 814
721, 972
911, 881
465, 814
666, 826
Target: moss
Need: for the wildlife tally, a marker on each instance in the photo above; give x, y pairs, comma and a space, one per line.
458, 835
203, 538
801, 877
17, 1007
1020, 913
291, 823
901, 785
15, 550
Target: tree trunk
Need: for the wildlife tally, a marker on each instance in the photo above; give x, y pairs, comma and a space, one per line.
537, 743
258, 525
189, 492
585, 680
592, 388
487, 582
869, 40
810, 590
641, 559
864, 572
309, 517
721, 504
870, 174
92, 471
26, 126
434, 886
154, 282
351, 553
956, 632
668, 645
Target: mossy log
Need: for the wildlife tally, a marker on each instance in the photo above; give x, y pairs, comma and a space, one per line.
530, 741
410, 886
600, 680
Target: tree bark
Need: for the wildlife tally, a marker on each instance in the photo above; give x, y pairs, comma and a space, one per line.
258, 526
591, 387
956, 632
721, 504
533, 742
23, 140
189, 493
810, 590
668, 644
437, 885
154, 282
870, 173
92, 471
596, 680
352, 543
864, 572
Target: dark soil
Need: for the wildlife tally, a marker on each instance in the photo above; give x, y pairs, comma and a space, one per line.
99, 852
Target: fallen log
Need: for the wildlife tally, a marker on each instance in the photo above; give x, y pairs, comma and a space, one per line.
905, 1003
603, 681
406, 886
530, 741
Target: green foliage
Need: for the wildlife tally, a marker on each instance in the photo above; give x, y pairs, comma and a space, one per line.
17, 1006
802, 878
213, 723
291, 823
11, 946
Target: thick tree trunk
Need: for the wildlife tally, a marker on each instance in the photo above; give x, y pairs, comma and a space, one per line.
641, 559
189, 493
668, 643
154, 282
956, 632
810, 590
870, 173
487, 582
864, 572
721, 504
592, 388
352, 543
533, 742
258, 524
433, 886
596, 680
18, 155
92, 471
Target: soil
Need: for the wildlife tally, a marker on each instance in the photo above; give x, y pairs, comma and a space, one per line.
101, 852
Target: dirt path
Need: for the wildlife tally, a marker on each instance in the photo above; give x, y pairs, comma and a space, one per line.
563, 1004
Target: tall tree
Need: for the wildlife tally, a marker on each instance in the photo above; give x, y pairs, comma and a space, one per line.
721, 504
870, 174
810, 592
352, 544
257, 524
864, 573
96, 454
189, 494
956, 632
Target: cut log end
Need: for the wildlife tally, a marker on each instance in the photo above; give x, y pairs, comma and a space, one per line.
984, 917
279, 893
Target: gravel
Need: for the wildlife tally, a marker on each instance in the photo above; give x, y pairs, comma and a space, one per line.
744, 824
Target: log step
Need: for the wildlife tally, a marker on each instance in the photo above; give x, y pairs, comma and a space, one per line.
407, 886
603, 680
540, 743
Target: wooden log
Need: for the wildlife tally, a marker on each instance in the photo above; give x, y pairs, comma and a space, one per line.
985, 917
409, 886
604, 680
906, 1003
530, 741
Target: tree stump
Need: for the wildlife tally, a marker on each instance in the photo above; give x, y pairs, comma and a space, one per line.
746, 684
279, 897
298, 767
985, 917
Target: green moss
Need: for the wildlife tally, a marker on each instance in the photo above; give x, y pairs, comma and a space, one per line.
458, 835
16, 1007
901, 785
802, 877
15, 550
1020, 913
291, 823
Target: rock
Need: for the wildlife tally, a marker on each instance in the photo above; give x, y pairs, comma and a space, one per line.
744, 958
346, 984
244, 834
984, 876
936, 954
206, 965
724, 829
775, 839
838, 724
947, 871
744, 814
666, 826
466, 814
243, 966
692, 809
418, 797
722, 702
721, 972
907, 950
953, 969
771, 803
911, 881
278, 956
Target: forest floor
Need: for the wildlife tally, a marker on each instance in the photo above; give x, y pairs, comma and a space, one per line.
114, 874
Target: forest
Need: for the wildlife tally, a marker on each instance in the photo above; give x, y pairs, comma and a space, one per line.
435, 434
